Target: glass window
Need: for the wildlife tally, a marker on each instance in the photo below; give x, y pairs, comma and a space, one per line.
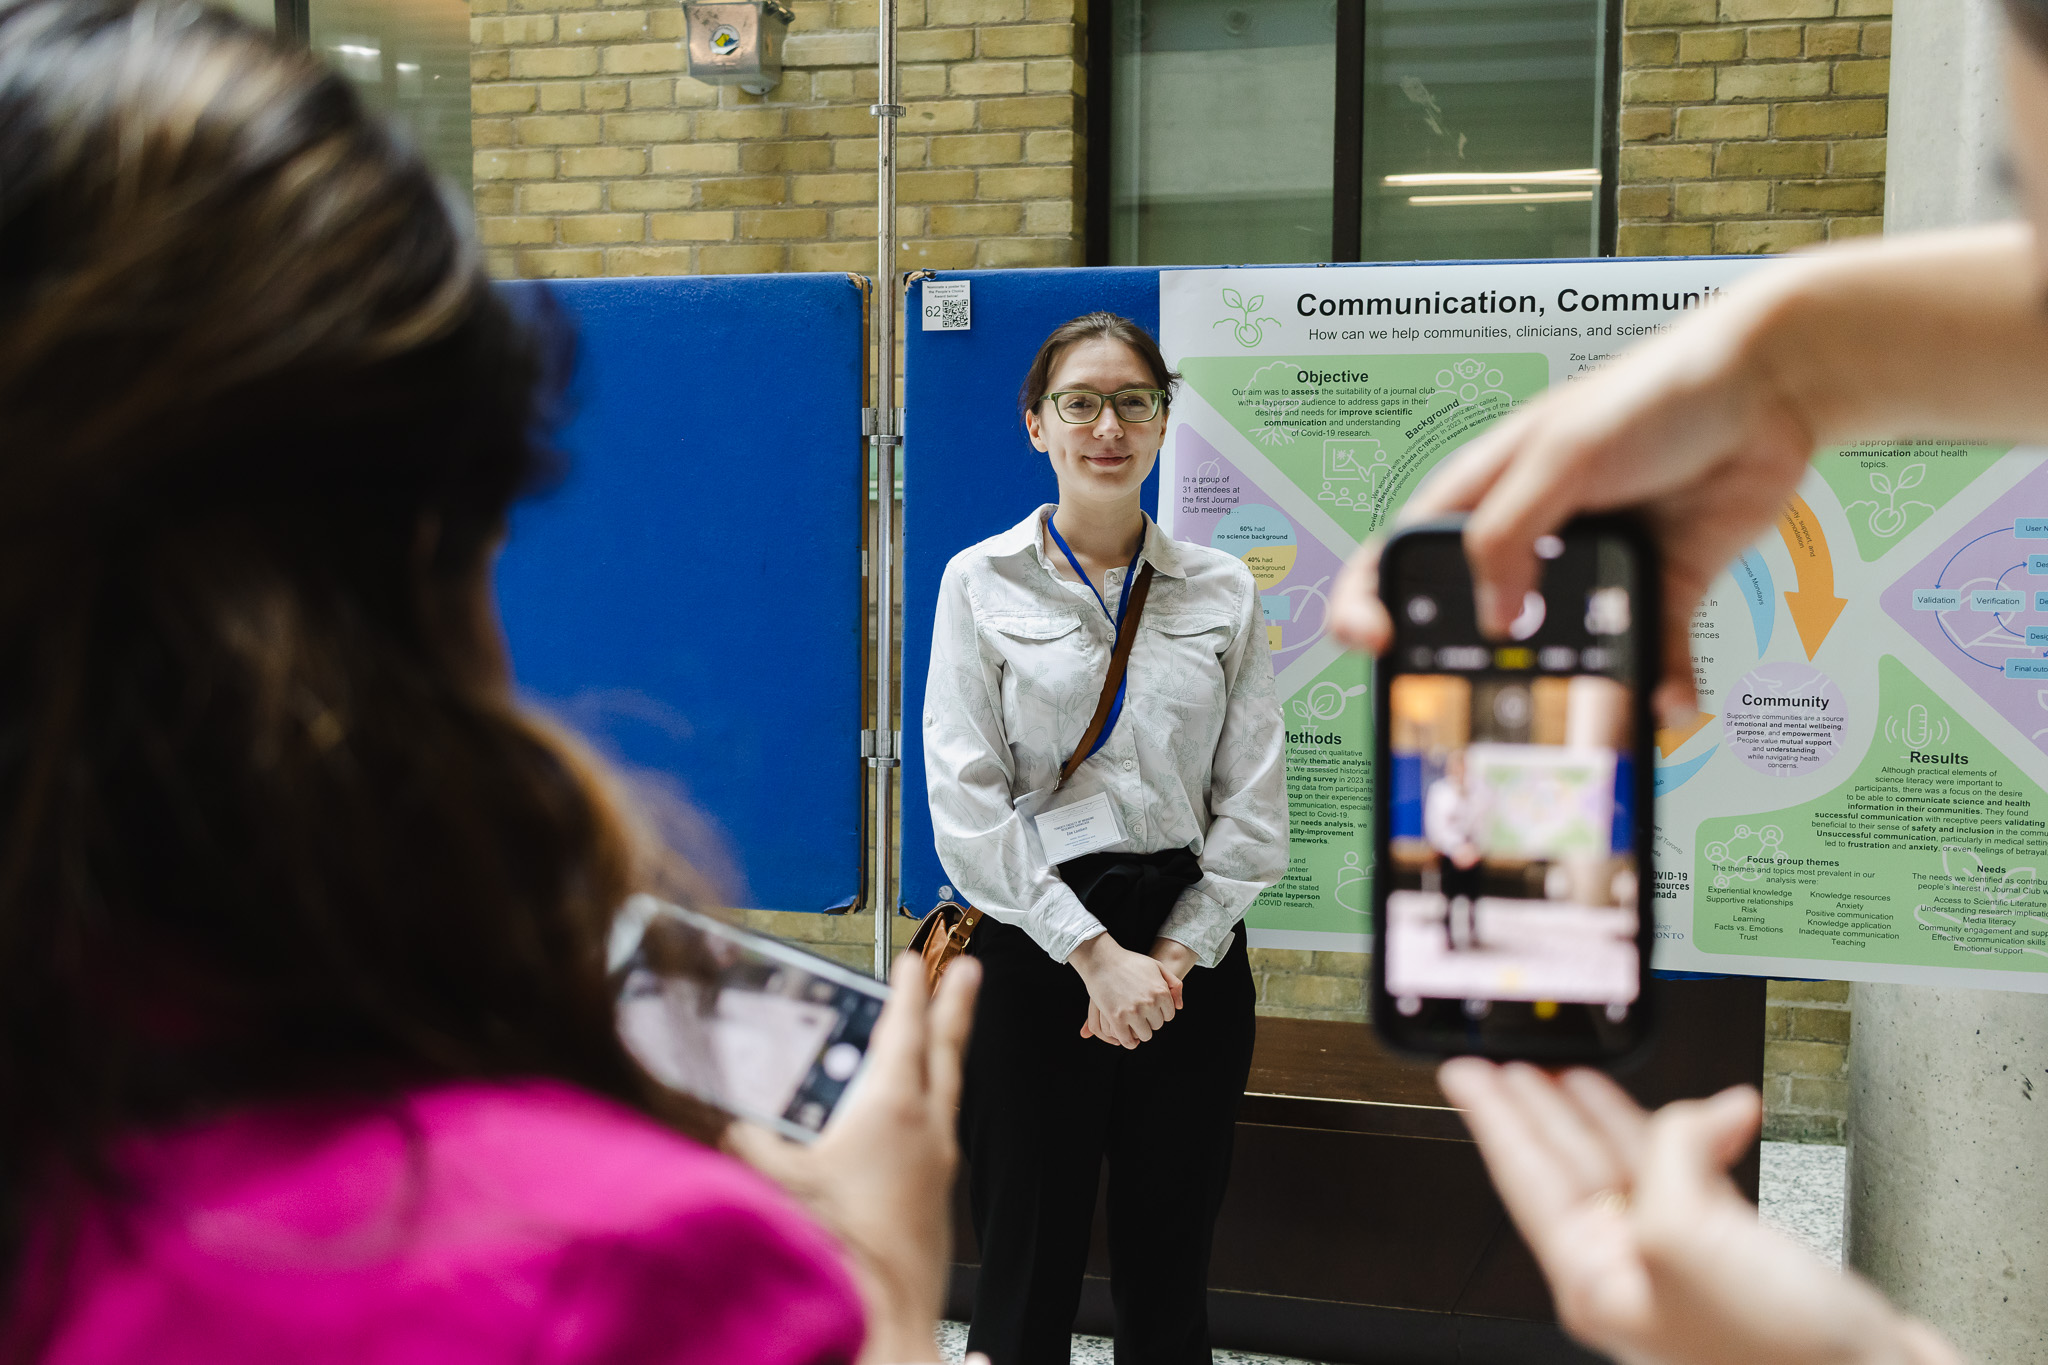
1478, 130
409, 60
1221, 131
1482, 129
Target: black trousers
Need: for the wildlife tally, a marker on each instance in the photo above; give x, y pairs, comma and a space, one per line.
1042, 1108
1460, 884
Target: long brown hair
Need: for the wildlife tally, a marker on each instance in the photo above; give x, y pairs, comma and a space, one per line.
270, 820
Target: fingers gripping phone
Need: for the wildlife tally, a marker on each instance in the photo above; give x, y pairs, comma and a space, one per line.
753, 1026
1512, 913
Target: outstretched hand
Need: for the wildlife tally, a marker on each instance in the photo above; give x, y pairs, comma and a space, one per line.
1652, 1255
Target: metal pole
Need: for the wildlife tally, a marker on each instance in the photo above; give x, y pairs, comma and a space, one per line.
886, 440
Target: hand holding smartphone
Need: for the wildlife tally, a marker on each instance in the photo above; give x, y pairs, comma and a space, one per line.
1512, 902
753, 1026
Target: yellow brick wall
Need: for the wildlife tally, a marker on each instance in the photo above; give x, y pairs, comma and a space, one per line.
597, 155
1751, 125
1806, 1061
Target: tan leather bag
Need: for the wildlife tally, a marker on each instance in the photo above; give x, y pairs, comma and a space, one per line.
942, 937
944, 933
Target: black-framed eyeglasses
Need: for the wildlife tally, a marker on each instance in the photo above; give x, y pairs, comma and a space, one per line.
1078, 406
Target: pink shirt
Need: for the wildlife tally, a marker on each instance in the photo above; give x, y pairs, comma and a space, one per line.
458, 1225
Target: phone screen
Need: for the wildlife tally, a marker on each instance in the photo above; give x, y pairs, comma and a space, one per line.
758, 1028
1512, 909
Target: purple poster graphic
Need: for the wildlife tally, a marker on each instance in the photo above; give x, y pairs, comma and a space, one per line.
1220, 507
1980, 605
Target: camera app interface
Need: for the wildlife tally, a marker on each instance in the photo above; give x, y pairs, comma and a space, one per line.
1512, 870
750, 1032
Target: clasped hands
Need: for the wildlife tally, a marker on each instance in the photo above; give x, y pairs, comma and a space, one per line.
1131, 995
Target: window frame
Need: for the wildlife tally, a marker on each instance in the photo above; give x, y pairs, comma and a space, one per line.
1347, 171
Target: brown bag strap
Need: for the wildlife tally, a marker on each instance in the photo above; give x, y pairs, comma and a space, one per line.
1119, 660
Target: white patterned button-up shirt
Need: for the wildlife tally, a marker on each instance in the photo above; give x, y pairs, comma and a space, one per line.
1197, 760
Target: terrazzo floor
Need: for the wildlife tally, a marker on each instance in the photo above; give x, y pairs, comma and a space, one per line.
1800, 1193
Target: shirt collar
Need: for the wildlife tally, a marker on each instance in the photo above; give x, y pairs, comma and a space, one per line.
1161, 551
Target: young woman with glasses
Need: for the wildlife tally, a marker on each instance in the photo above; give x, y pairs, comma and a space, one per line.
1115, 1020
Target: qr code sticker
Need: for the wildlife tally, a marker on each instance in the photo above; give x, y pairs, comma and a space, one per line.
947, 306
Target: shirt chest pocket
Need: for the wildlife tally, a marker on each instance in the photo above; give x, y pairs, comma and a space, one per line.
1042, 652
1177, 661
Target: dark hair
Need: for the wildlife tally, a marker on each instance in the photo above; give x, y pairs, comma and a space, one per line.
1088, 327
2030, 17
270, 819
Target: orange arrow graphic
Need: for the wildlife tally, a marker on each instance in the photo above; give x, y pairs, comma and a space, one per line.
1672, 740
1814, 604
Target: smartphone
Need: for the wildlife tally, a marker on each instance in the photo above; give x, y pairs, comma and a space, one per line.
1512, 907
760, 1029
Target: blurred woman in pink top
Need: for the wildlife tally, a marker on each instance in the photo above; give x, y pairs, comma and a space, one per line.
306, 1047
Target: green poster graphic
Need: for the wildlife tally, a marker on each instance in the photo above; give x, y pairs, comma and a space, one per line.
1888, 488
1315, 403
1342, 443
1863, 791
1928, 855
1356, 433
1328, 886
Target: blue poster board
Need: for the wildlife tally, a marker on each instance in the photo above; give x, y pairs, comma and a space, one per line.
690, 598
969, 471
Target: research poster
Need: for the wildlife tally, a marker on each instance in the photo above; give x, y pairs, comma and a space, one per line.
1864, 794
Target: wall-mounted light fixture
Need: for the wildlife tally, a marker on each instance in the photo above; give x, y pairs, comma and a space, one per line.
738, 42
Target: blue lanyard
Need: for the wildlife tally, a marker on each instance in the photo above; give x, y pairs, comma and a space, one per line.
1116, 708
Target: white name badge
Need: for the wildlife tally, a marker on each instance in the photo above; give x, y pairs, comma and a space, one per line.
1083, 827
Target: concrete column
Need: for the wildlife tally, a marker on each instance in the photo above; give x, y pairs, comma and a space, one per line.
1948, 1162
1946, 121
1947, 1205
